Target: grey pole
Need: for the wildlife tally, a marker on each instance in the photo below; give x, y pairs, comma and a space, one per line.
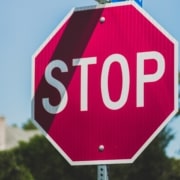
102, 172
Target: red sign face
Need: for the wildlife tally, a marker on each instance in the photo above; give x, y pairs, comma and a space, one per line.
105, 84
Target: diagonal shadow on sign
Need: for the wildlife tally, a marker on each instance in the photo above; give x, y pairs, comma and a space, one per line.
71, 44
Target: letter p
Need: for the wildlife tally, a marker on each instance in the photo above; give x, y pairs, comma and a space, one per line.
143, 78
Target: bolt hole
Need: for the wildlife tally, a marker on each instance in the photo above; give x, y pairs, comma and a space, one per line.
102, 19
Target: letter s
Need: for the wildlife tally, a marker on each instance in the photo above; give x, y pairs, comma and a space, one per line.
56, 84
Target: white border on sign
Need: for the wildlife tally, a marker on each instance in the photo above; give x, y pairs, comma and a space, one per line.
155, 23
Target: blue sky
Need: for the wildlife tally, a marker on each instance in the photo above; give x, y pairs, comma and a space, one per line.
24, 25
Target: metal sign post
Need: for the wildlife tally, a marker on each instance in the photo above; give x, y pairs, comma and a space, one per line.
102, 172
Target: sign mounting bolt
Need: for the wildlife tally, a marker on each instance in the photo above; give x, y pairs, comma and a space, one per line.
102, 19
101, 148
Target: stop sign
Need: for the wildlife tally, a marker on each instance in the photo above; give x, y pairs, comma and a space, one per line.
105, 84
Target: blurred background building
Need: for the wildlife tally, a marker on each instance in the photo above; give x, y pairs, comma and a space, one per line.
10, 136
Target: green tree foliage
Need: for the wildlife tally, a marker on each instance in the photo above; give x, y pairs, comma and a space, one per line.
11, 170
29, 125
174, 173
103, 1
45, 163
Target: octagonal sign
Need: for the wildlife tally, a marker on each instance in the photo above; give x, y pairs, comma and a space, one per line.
105, 83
